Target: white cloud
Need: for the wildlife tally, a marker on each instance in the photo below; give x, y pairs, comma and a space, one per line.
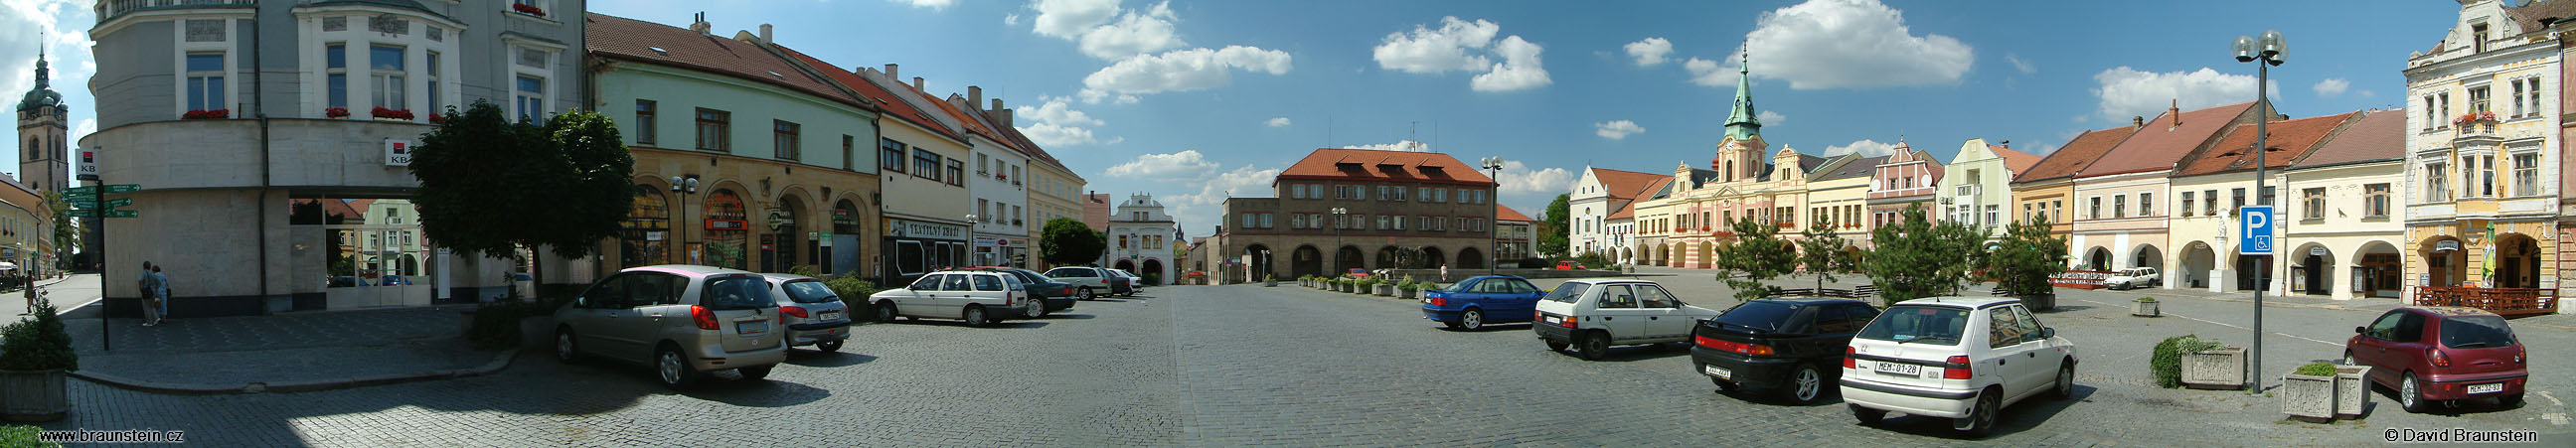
1463, 46
934, 5
1054, 109
1053, 122
1203, 207
1132, 34
1051, 134
1650, 51
1276, 122
2127, 92
1126, 99
1707, 73
1399, 145
1770, 118
1183, 70
86, 126
1530, 190
2018, 64
2332, 87
1617, 130
1070, 18
1827, 44
1866, 148
1011, 20
1187, 165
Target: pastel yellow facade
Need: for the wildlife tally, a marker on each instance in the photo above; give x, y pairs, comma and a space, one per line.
2482, 157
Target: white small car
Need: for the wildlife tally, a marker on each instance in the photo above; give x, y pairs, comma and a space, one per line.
1960, 358
978, 297
1594, 314
2134, 278
1088, 282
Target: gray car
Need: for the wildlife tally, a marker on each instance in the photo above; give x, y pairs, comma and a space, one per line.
681, 320
815, 315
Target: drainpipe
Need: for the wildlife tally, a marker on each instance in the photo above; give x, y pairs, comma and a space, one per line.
259, 103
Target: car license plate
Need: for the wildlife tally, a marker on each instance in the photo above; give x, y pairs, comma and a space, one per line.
2486, 388
751, 327
1553, 319
835, 315
1719, 372
1894, 368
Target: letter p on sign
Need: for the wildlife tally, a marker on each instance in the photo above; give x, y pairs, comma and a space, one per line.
2255, 232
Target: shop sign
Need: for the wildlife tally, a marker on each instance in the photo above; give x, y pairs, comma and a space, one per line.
916, 229
727, 224
398, 152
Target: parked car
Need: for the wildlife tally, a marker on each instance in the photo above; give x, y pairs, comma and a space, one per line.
2431, 354
1356, 273
815, 315
1569, 265
1054, 294
1088, 282
979, 298
1960, 358
1476, 301
2133, 278
1781, 344
680, 319
1120, 284
1136, 283
1594, 314
394, 280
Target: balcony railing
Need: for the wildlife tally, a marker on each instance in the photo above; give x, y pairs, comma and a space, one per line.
110, 9
2508, 302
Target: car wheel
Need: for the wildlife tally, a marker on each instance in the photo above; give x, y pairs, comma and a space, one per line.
1866, 416
1473, 319
1087, 295
2347, 359
2411, 396
975, 316
1981, 421
1596, 345
1037, 311
1806, 385
673, 368
565, 348
755, 373
828, 346
1555, 345
885, 312
2065, 382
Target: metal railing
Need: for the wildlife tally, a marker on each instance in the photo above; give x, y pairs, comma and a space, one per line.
2502, 301
110, 9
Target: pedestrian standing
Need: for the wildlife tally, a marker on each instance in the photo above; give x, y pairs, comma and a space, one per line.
149, 288
1444, 273
163, 283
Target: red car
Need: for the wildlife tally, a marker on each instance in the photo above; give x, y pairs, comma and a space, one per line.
1357, 272
1569, 266
2441, 353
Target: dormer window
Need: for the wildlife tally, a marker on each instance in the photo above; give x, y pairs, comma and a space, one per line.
2478, 38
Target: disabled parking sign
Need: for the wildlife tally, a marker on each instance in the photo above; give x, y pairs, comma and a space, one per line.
2255, 230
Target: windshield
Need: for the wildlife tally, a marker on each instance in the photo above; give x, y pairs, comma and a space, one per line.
1918, 325
739, 292
809, 291
2476, 332
1032, 277
1567, 293
1759, 315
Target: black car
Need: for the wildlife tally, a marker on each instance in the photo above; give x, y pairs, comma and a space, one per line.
1790, 345
1058, 295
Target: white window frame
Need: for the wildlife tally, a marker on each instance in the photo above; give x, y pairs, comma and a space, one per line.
181, 48
511, 71
419, 96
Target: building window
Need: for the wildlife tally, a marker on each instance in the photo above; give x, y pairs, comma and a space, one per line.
531, 95
1250, 219
983, 165
2313, 203
644, 122
789, 145
436, 103
2517, 100
2268, 195
1265, 217
2146, 204
335, 60
2120, 206
2478, 38
1381, 222
2437, 182
2236, 202
2431, 118
205, 82
2186, 203
1399, 222
925, 164
386, 64
715, 130
2376, 196
2485, 166
1993, 212
2534, 93
957, 173
890, 155
2526, 174
2096, 210
849, 152
2478, 100
1399, 193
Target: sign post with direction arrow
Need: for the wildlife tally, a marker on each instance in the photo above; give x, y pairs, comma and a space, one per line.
87, 203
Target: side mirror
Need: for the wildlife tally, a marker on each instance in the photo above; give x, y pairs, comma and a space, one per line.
2360, 330
2048, 332
581, 302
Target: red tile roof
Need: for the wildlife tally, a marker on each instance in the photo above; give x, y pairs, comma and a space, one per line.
1502, 213
2162, 143
2532, 16
2075, 155
1629, 209
885, 101
2290, 141
2016, 161
635, 40
1369, 164
972, 124
1623, 184
2378, 135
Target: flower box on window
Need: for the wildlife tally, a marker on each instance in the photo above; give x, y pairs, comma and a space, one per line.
435, 118
528, 9
393, 114
206, 114
336, 112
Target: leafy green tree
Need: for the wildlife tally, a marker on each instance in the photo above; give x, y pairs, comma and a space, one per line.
2027, 258
66, 236
1915, 258
489, 186
1552, 228
1756, 254
1823, 251
1066, 242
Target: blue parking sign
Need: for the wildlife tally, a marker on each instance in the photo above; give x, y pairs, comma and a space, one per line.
2255, 230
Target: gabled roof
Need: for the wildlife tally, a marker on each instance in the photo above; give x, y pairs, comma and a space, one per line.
887, 103
1629, 210
2016, 161
2534, 16
2075, 155
635, 40
970, 123
2163, 144
2290, 141
1504, 213
1369, 164
1806, 164
1625, 184
1857, 167
2378, 135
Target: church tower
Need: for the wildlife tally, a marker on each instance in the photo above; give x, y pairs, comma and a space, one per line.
1740, 155
43, 134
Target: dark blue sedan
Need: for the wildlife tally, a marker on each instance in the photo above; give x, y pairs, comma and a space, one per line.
1472, 303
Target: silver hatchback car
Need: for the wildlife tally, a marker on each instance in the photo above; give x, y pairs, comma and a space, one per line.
815, 315
682, 320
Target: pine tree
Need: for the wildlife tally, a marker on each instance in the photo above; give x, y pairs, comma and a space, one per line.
1756, 254
1915, 258
1824, 252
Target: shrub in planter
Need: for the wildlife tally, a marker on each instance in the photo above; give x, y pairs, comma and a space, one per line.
2220, 368
23, 436
2144, 307
2308, 393
34, 353
2166, 362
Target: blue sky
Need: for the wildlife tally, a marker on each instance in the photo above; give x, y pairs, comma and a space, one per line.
1180, 99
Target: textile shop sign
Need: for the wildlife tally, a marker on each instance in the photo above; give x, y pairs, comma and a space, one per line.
917, 229
2079, 279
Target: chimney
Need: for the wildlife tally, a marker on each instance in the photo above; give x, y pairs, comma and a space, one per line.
700, 25
2175, 111
1001, 114
974, 96
918, 85
2007, 144
764, 34
889, 71
2137, 121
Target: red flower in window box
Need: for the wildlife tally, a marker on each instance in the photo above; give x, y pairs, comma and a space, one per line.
402, 114
528, 9
206, 114
435, 118
336, 112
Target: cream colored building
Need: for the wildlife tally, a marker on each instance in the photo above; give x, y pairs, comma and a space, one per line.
1977, 189
2344, 229
2208, 187
2481, 206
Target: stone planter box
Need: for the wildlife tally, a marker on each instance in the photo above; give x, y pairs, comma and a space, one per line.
1409, 293
33, 395
2221, 369
2144, 308
2352, 391
1270, 283
1385, 290
2040, 302
2310, 398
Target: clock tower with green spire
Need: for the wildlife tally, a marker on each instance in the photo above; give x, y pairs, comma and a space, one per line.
1740, 154
42, 134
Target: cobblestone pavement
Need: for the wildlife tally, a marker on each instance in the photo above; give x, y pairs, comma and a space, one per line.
1253, 366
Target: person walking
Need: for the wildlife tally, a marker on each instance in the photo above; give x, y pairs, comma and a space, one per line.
31, 299
149, 288
162, 282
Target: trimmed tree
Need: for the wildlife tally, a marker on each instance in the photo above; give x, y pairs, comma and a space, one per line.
1823, 251
1756, 254
1066, 242
489, 186
1553, 239
1915, 258
2027, 258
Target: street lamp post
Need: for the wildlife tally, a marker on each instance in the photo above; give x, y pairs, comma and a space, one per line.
1338, 223
1493, 244
970, 237
2269, 50
682, 186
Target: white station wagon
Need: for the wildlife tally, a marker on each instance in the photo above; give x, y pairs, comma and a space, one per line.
1960, 358
1594, 314
978, 297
